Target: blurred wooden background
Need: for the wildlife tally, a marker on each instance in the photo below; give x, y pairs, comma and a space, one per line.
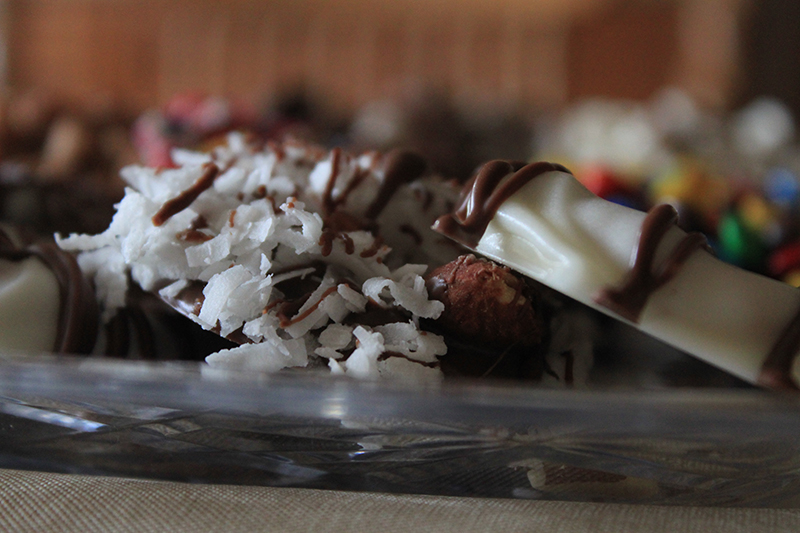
542, 53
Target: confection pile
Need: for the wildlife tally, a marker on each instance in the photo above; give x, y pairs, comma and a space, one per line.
304, 257
261, 251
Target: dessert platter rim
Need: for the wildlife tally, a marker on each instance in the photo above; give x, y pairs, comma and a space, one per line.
193, 386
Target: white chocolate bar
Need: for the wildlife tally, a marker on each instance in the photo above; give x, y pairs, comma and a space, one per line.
560, 234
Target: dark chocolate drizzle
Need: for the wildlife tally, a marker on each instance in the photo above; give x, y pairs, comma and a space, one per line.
76, 331
409, 230
776, 371
327, 238
286, 320
192, 234
400, 167
328, 203
484, 193
630, 298
184, 199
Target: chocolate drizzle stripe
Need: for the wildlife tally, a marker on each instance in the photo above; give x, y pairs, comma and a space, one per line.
483, 195
311, 309
358, 177
327, 238
401, 166
328, 204
373, 248
630, 297
776, 370
185, 199
78, 325
76, 331
193, 236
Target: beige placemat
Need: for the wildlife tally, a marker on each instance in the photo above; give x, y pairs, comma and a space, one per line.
33, 501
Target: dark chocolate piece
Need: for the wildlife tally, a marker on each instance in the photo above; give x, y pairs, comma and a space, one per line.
328, 203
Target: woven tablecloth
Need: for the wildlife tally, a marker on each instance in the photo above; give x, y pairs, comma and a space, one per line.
36, 501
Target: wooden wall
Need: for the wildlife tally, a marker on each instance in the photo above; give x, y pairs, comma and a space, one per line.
545, 53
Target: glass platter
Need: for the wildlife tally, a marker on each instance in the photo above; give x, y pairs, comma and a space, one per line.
186, 422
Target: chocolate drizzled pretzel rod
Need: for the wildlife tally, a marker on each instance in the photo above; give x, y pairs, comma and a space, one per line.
640, 268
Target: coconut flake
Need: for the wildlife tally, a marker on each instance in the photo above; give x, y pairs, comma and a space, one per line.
262, 357
217, 290
363, 362
409, 293
399, 369
333, 339
407, 339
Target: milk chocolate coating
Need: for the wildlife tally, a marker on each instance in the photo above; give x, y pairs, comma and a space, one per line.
490, 314
485, 302
147, 328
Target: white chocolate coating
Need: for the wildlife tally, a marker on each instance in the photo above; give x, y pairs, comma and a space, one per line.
29, 306
560, 234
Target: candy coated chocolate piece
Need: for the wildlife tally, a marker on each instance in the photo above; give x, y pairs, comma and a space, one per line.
692, 185
756, 213
784, 259
792, 277
602, 182
782, 188
738, 244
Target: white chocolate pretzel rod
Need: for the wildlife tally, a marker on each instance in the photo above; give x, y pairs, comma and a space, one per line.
638, 267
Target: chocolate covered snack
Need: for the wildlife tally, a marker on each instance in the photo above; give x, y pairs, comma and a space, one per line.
635, 266
500, 324
493, 322
300, 256
305, 257
46, 304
